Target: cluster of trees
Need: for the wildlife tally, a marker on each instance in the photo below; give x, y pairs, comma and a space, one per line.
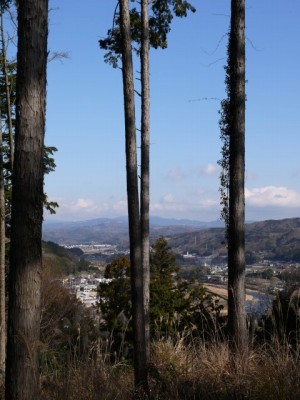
134, 29
176, 305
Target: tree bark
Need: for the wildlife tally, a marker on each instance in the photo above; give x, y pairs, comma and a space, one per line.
22, 372
236, 230
140, 361
145, 167
2, 262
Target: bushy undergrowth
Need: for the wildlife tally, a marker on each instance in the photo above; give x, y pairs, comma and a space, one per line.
89, 380
181, 368
79, 362
184, 371
204, 371
184, 365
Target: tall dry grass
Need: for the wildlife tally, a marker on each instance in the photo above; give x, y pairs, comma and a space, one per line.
90, 381
204, 371
186, 367
185, 371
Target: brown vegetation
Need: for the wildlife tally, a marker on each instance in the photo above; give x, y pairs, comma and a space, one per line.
185, 371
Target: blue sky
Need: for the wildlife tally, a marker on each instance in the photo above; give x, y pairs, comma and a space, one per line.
85, 113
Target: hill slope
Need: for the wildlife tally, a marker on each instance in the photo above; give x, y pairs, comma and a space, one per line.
115, 231
273, 239
59, 261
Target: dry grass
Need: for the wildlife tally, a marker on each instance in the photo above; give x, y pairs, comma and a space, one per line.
181, 371
185, 372
204, 371
182, 368
90, 381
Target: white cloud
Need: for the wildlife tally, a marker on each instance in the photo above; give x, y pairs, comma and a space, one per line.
84, 208
279, 196
83, 204
196, 208
169, 198
207, 203
209, 169
175, 175
120, 206
262, 202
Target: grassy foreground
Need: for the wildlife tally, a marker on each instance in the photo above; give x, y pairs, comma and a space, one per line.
179, 371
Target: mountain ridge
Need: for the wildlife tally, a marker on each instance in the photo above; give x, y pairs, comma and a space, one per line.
154, 220
273, 238
115, 230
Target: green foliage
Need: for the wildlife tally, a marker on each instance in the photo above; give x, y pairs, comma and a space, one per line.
115, 302
48, 154
62, 259
115, 296
175, 304
49, 166
12, 76
224, 124
204, 313
4, 5
76, 251
265, 274
251, 257
291, 276
288, 254
168, 298
160, 18
48, 159
193, 273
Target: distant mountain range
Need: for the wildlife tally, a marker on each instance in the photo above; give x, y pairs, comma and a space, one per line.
115, 230
158, 221
275, 239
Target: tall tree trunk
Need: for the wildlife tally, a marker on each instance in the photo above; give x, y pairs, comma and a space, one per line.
8, 102
2, 262
140, 360
145, 166
22, 371
236, 230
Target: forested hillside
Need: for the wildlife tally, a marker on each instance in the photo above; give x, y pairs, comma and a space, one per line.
276, 239
61, 262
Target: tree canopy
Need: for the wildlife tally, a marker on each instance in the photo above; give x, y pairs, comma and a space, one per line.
161, 15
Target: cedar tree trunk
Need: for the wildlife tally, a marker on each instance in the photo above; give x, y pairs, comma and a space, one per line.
236, 230
140, 361
22, 372
2, 262
145, 168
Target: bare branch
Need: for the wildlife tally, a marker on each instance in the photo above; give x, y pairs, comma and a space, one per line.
214, 62
218, 45
57, 55
204, 99
252, 45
